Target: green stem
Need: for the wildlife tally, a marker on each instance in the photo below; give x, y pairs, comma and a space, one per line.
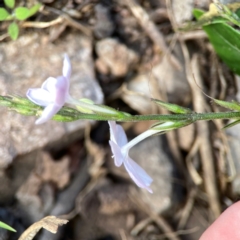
170, 117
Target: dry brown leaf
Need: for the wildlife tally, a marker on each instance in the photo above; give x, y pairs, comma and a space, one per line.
50, 223
52, 170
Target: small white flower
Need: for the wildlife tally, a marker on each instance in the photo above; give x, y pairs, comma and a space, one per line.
53, 93
120, 148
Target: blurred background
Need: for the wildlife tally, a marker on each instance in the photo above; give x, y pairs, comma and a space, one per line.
123, 52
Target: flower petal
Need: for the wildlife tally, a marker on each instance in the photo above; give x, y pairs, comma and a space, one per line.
58, 88
138, 174
121, 136
117, 154
61, 90
117, 134
67, 69
48, 113
113, 130
40, 96
50, 85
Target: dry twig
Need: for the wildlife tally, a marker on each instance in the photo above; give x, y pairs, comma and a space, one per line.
202, 127
187, 209
63, 18
160, 221
42, 24
50, 223
151, 30
205, 147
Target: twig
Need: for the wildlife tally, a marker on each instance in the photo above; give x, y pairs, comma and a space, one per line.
205, 147
50, 223
42, 24
187, 209
192, 171
199, 106
71, 21
5, 35
179, 232
162, 224
197, 34
150, 28
140, 226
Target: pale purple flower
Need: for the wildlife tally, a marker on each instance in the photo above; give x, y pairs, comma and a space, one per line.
120, 148
53, 93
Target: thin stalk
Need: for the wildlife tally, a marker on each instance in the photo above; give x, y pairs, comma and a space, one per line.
169, 117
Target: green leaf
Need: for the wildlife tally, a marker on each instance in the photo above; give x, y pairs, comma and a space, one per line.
3, 14
167, 126
197, 13
218, 13
22, 13
4, 225
13, 31
172, 107
33, 10
230, 105
225, 40
9, 3
232, 124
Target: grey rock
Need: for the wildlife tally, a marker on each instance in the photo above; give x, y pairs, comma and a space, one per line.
182, 10
12, 179
138, 91
173, 80
114, 57
28, 62
104, 26
152, 156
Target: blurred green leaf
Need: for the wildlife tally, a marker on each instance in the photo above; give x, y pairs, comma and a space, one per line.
4, 225
218, 13
13, 31
230, 105
172, 107
167, 126
197, 13
3, 14
33, 10
232, 124
22, 13
226, 42
228, 12
9, 3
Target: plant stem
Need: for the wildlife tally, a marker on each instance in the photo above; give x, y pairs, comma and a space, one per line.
170, 117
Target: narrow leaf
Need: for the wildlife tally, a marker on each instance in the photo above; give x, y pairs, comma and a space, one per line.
33, 10
3, 14
172, 107
225, 40
9, 3
230, 105
4, 225
232, 124
22, 13
13, 31
197, 13
167, 126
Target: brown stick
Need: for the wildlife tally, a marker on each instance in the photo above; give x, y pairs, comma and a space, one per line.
151, 30
205, 146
